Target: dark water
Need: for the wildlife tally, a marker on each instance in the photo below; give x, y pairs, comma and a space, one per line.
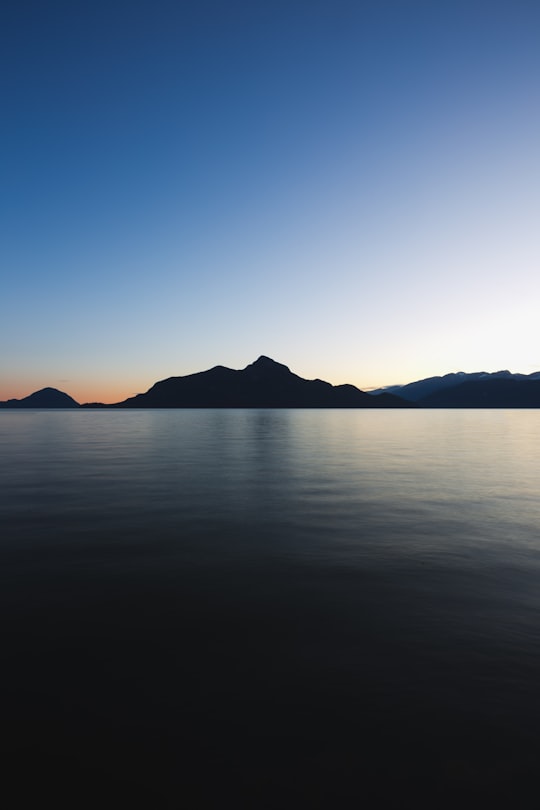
270, 608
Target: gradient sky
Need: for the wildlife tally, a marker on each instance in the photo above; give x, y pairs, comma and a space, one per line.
352, 188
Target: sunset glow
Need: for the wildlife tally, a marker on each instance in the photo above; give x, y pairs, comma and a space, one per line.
349, 188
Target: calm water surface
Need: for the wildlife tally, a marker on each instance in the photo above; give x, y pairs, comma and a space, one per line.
271, 607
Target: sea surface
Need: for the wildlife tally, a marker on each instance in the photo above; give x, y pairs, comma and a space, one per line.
270, 608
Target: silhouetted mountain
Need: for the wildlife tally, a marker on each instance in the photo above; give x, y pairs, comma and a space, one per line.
267, 384
262, 384
46, 398
492, 392
418, 391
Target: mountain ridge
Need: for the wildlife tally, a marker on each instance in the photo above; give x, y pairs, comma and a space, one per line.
480, 389
418, 388
264, 383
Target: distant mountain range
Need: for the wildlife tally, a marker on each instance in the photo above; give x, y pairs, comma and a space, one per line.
500, 389
267, 384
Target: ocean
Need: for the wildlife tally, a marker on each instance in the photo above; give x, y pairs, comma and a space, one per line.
270, 608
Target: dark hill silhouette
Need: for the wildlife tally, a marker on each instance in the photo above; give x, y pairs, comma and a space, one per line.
262, 384
492, 392
45, 398
418, 390
267, 384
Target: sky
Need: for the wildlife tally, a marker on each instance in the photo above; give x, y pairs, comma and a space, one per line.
351, 188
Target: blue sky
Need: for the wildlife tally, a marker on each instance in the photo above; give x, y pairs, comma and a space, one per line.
352, 188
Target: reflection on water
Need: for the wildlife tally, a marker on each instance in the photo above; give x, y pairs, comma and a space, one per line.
302, 607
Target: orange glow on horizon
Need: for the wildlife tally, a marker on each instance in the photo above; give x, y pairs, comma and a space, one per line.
82, 392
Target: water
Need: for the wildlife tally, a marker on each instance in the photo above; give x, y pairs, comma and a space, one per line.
270, 608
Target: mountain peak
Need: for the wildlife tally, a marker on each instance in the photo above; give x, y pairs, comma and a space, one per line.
266, 364
264, 360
